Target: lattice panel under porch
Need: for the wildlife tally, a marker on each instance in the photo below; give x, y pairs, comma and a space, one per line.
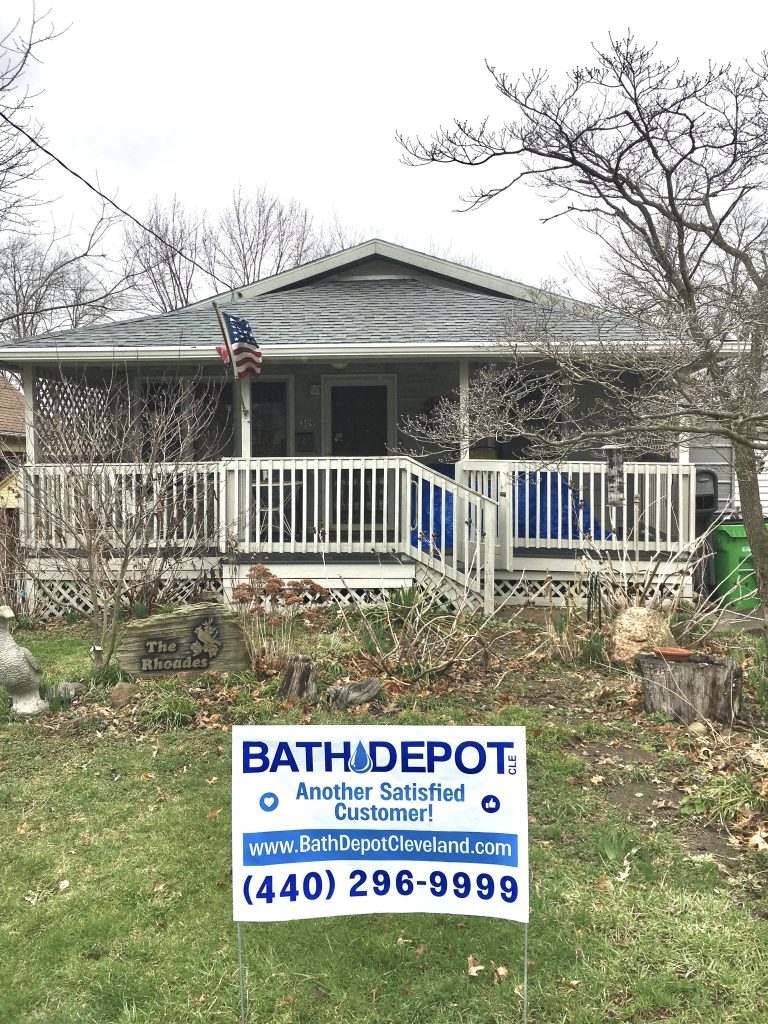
557, 592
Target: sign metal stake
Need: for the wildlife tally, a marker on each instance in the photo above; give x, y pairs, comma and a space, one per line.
242, 980
525, 973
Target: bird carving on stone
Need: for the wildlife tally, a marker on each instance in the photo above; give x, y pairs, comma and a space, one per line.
19, 671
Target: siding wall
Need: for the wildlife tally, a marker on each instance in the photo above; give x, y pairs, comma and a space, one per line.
716, 454
417, 383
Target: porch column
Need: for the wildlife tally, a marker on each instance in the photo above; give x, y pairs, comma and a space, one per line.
28, 384
245, 416
464, 408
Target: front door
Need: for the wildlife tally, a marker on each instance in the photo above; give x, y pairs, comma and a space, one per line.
359, 419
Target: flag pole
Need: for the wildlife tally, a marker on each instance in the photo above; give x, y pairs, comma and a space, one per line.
230, 353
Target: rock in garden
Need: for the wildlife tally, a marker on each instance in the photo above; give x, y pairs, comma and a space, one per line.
19, 671
122, 694
190, 640
636, 630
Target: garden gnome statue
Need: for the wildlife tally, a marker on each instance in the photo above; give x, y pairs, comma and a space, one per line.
19, 672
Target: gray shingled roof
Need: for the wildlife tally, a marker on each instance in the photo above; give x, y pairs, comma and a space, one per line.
362, 311
330, 311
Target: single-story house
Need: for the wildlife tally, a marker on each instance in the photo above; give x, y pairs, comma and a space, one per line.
310, 476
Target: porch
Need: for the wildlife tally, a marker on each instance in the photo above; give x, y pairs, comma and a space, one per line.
480, 530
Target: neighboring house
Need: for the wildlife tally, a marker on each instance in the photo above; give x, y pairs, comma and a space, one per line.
12, 442
309, 481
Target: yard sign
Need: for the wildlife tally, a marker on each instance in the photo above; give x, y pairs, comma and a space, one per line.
330, 820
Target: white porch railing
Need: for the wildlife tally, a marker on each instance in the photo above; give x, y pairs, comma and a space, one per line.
322, 506
462, 529
564, 507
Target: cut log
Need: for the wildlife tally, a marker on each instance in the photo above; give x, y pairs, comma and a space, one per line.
342, 697
701, 687
299, 680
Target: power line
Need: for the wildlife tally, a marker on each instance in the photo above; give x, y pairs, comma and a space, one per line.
106, 198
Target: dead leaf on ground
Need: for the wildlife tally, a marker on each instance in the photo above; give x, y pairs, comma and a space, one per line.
500, 973
212, 781
597, 780
623, 875
22, 829
474, 966
420, 950
214, 813
63, 885
570, 982
758, 841
604, 883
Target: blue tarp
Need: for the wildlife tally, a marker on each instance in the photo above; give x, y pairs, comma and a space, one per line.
431, 533
548, 512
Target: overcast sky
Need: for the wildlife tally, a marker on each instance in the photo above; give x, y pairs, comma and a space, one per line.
154, 97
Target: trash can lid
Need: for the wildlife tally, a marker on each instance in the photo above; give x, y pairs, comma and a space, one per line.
735, 530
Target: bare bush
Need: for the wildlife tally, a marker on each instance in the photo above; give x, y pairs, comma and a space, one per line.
113, 503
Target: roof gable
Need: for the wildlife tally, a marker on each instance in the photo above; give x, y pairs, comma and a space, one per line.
378, 253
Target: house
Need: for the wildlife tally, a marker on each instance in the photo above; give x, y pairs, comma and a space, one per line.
309, 477
12, 439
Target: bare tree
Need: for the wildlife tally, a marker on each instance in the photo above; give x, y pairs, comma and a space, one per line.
670, 169
19, 157
183, 256
163, 262
261, 235
52, 283
113, 507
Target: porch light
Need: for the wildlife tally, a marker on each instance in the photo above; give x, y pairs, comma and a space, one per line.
614, 473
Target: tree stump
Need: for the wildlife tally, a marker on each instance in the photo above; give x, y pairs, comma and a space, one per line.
698, 688
342, 697
299, 680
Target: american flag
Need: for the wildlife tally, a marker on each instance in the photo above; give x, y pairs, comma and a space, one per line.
244, 347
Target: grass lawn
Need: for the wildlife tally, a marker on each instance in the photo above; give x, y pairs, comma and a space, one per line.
115, 888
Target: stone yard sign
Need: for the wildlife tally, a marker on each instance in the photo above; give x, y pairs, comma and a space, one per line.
193, 639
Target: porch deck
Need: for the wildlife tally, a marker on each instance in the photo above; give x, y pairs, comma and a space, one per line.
490, 522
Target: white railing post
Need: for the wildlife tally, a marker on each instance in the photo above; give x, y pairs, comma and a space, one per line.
489, 587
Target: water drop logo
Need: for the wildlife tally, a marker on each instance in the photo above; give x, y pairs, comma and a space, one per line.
360, 761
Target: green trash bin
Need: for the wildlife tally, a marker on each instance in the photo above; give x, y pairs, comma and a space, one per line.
734, 567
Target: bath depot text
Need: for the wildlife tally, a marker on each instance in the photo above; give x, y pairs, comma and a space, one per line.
330, 820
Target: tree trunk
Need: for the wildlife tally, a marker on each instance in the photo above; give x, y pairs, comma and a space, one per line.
342, 697
299, 680
688, 690
752, 512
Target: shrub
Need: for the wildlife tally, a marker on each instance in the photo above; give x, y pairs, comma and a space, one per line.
268, 607
412, 635
57, 699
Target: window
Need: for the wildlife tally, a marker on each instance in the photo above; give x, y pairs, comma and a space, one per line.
269, 418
